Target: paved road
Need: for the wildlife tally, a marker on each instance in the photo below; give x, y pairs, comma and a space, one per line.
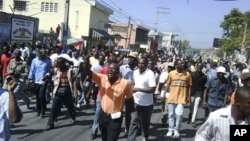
31, 128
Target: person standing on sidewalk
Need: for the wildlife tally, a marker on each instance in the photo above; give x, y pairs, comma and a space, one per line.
179, 84
144, 87
39, 74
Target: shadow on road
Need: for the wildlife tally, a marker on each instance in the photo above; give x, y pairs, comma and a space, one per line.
25, 132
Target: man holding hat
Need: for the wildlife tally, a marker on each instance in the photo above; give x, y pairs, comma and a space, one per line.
217, 91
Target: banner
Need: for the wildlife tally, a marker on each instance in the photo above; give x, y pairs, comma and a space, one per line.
22, 30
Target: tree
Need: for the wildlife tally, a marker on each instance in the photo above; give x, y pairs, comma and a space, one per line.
182, 45
233, 28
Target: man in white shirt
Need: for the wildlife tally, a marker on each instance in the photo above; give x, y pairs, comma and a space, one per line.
217, 126
9, 110
25, 52
144, 87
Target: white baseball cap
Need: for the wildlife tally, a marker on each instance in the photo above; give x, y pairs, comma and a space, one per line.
221, 70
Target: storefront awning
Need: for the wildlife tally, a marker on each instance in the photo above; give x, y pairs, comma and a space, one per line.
99, 34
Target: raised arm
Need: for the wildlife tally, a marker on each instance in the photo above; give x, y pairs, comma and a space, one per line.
15, 114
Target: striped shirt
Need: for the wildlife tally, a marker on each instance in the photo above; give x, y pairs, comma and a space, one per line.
179, 84
217, 126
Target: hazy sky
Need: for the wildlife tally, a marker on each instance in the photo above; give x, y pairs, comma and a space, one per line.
197, 21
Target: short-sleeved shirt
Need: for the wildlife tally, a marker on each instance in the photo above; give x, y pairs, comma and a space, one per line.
179, 84
112, 95
5, 60
143, 80
162, 79
4, 116
217, 91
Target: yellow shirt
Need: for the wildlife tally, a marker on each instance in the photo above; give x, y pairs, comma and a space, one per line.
179, 84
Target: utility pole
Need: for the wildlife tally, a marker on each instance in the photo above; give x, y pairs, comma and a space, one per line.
159, 11
66, 23
126, 44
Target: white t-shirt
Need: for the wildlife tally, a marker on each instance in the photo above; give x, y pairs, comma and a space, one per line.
4, 115
162, 79
143, 80
25, 52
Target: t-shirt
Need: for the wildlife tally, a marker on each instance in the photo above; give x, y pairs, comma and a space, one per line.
4, 115
143, 80
5, 60
163, 79
179, 84
64, 86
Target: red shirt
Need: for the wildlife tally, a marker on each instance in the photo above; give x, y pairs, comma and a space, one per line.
104, 70
5, 60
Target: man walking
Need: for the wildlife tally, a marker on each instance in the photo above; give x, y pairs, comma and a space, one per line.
144, 87
39, 74
179, 84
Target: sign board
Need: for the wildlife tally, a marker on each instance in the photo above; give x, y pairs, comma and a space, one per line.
22, 29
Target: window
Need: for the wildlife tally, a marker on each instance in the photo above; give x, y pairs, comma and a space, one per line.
42, 6
56, 7
51, 8
46, 7
1, 4
20, 5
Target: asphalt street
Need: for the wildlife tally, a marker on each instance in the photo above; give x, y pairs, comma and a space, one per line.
31, 128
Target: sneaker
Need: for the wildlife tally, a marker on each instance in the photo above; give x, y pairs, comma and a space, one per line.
92, 137
49, 127
144, 139
170, 133
125, 133
176, 134
78, 105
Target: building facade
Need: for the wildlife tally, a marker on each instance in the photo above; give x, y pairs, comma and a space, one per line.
86, 18
129, 37
167, 40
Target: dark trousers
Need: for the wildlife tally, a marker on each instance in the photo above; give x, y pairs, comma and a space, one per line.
68, 102
127, 115
141, 117
40, 90
110, 128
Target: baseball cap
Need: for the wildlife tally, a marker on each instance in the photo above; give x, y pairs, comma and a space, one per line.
221, 70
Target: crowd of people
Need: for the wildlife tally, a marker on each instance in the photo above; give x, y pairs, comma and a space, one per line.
123, 86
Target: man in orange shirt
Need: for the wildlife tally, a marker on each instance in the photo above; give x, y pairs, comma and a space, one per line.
113, 91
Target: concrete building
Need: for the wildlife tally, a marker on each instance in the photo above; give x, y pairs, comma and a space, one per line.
155, 40
87, 18
130, 37
167, 40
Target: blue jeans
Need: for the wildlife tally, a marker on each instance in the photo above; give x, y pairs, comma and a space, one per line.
175, 115
95, 125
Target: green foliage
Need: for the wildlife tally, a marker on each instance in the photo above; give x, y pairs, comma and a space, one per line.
234, 26
182, 45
